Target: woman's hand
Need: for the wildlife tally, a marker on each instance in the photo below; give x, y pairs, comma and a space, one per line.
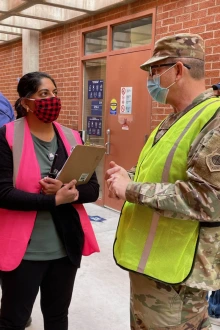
50, 186
67, 194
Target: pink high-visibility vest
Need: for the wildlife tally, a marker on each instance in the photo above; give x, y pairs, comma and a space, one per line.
16, 226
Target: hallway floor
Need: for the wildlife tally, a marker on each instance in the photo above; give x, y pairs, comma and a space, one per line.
101, 295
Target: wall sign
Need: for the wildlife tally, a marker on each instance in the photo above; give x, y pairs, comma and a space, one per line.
95, 89
113, 107
96, 108
94, 126
126, 100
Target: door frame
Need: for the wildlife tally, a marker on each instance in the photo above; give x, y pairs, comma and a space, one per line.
107, 54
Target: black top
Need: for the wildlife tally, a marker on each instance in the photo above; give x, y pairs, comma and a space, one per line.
65, 217
216, 86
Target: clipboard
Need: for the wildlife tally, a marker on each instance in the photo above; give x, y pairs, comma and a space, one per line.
81, 163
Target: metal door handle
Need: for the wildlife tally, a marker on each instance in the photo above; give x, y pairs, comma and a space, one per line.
107, 144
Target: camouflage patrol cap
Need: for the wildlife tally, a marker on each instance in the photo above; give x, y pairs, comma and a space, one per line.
185, 45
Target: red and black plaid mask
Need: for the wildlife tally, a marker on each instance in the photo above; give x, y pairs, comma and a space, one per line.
48, 109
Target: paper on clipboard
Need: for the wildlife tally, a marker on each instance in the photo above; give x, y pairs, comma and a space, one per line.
81, 164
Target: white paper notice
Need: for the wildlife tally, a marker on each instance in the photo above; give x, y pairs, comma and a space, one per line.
126, 100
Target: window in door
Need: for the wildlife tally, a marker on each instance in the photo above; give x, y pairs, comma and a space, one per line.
95, 42
93, 106
132, 34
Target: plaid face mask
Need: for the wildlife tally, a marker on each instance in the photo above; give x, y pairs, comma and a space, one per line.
48, 109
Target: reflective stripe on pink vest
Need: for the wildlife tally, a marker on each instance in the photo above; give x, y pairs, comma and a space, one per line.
16, 226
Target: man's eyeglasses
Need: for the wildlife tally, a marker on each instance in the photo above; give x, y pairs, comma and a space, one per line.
166, 64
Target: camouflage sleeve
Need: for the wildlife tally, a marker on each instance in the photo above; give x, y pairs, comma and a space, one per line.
198, 197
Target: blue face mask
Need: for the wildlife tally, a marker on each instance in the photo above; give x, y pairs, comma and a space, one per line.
157, 92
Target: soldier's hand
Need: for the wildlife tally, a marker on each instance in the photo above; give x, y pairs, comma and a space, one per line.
117, 180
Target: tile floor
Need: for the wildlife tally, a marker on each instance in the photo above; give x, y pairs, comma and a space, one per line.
101, 295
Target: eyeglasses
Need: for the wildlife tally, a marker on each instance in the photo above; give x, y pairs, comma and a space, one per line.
166, 64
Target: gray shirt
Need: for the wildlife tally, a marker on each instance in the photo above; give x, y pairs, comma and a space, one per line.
45, 244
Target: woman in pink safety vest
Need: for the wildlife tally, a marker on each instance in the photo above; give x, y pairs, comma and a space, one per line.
44, 228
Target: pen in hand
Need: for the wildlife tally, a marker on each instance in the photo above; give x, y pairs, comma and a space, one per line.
53, 172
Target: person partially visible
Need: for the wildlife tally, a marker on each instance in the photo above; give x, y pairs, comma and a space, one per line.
6, 111
216, 89
6, 116
214, 298
44, 228
214, 307
168, 236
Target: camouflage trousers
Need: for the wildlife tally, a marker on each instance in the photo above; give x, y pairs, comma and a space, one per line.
156, 306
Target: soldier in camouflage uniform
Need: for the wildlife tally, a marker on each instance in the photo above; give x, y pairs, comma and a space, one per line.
179, 63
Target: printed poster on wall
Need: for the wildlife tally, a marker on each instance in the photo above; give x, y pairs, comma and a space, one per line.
94, 126
126, 100
96, 108
95, 89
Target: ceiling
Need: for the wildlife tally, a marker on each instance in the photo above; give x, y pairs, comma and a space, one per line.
16, 15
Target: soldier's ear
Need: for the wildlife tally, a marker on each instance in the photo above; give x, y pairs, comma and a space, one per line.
179, 70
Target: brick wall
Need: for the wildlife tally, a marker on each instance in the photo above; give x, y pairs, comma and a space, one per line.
10, 69
60, 49
193, 16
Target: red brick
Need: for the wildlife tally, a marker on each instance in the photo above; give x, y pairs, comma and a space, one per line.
207, 4
216, 49
206, 20
158, 111
215, 65
175, 27
191, 8
207, 35
213, 26
199, 14
169, 6
216, 35
168, 21
162, 30
217, 17
208, 66
196, 1
213, 73
190, 24
162, 16
212, 57
211, 11
198, 29
183, 18
176, 12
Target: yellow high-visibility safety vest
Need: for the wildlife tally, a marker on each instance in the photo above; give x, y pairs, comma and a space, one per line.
159, 247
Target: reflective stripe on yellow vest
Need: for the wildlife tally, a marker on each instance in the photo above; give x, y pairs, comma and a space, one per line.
159, 247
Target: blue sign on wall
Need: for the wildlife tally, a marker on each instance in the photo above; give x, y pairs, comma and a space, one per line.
96, 108
94, 126
95, 89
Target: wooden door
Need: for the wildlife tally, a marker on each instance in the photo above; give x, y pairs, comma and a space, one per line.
127, 113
